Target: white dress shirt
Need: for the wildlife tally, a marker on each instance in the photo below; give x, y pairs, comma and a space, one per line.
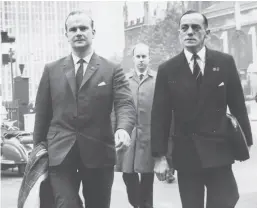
200, 60
85, 64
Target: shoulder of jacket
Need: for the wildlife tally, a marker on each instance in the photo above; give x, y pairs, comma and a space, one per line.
219, 54
53, 64
152, 73
108, 62
176, 60
129, 74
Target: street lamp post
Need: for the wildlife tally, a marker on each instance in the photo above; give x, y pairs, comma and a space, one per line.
11, 53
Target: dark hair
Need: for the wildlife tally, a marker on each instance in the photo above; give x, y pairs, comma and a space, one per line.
79, 12
205, 21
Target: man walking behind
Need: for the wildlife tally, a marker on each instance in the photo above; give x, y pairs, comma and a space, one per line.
136, 162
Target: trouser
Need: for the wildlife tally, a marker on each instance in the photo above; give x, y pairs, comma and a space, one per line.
65, 180
220, 183
140, 192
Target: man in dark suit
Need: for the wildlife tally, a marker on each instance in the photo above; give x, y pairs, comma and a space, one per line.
73, 106
192, 93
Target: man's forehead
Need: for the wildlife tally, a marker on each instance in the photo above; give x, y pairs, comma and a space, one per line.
193, 18
141, 49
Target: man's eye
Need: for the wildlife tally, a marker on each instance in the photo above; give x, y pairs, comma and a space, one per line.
73, 29
184, 28
82, 28
196, 27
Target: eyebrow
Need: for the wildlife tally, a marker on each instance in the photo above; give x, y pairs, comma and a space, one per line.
186, 24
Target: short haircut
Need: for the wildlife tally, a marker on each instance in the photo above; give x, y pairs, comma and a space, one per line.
78, 12
140, 44
205, 20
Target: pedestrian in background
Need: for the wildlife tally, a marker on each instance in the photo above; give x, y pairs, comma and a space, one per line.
136, 162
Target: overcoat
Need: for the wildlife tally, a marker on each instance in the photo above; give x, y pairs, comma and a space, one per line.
138, 158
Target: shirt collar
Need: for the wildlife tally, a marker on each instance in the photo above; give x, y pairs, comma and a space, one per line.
86, 59
138, 72
201, 54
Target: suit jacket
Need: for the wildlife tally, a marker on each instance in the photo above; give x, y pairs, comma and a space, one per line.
62, 117
138, 157
199, 124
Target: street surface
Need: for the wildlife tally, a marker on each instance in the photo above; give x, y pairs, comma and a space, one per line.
165, 195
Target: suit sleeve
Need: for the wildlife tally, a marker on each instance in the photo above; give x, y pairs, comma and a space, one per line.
160, 116
124, 107
236, 101
43, 109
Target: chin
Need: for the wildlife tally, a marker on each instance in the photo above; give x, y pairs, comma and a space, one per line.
190, 45
80, 47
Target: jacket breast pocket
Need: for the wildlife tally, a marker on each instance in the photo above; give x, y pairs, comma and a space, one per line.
221, 88
102, 90
220, 95
51, 135
172, 85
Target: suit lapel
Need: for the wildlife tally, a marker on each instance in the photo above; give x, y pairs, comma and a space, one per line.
69, 71
92, 67
135, 77
210, 78
183, 76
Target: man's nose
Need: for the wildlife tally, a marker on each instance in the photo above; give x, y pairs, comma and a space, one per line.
190, 30
78, 32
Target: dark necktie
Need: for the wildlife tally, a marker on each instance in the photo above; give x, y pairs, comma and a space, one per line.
141, 76
197, 71
80, 73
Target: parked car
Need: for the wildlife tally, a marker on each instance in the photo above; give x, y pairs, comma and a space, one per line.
15, 149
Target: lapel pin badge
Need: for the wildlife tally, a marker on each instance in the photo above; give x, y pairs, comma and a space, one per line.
216, 69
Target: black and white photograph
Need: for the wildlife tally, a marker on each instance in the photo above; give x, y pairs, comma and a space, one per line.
128, 104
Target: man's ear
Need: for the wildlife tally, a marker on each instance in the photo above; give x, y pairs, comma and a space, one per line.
207, 34
94, 32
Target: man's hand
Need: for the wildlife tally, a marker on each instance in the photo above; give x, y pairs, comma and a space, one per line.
161, 168
122, 138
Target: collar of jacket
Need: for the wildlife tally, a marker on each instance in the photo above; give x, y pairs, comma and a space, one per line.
132, 73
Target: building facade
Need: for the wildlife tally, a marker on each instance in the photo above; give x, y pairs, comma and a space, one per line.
38, 27
233, 28
149, 13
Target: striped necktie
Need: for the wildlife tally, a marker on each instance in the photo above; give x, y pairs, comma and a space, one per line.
197, 71
80, 73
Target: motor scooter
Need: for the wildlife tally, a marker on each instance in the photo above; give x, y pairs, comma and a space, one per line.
16, 146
